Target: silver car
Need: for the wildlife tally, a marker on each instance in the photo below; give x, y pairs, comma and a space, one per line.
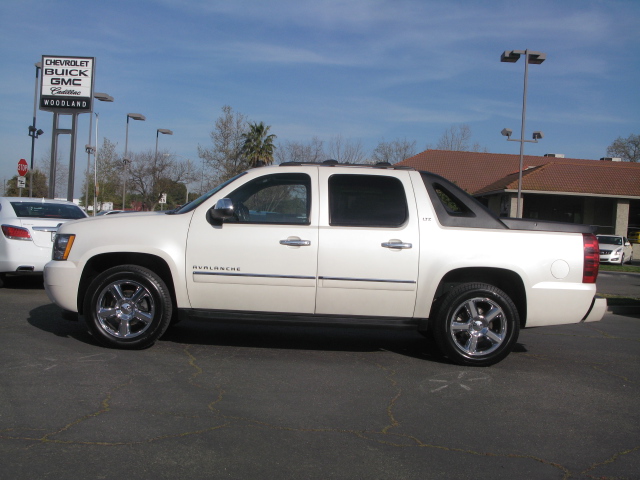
28, 226
615, 249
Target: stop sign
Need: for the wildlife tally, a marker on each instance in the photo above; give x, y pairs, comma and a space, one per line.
22, 167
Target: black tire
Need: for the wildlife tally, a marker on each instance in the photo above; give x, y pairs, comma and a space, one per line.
127, 307
3, 279
477, 325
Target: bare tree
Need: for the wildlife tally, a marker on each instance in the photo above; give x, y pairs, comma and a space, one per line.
109, 175
346, 151
628, 149
394, 152
301, 152
224, 159
458, 138
62, 174
149, 176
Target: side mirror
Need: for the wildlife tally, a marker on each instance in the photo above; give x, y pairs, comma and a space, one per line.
222, 210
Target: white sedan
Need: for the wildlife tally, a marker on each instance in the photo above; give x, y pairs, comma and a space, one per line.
615, 249
28, 227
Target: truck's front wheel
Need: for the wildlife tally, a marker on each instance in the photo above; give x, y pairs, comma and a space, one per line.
476, 324
127, 307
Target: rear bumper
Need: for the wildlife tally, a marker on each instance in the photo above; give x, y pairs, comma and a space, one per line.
24, 256
559, 303
598, 309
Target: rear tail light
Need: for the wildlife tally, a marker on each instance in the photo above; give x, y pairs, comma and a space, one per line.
591, 258
16, 233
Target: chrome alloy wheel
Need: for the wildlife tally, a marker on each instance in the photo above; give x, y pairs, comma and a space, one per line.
478, 326
125, 309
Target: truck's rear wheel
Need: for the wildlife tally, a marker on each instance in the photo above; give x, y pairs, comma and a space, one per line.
127, 307
477, 324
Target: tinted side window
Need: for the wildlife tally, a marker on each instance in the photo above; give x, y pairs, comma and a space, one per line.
367, 200
282, 198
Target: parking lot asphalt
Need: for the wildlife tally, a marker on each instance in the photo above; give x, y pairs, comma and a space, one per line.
240, 402
624, 284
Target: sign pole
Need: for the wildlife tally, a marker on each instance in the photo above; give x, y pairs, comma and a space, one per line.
72, 157
54, 157
23, 168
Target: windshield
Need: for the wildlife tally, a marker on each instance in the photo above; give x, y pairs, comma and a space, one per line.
187, 207
47, 210
610, 240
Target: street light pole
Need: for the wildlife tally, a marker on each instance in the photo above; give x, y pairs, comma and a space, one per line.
125, 160
95, 169
202, 177
512, 56
103, 97
34, 133
164, 131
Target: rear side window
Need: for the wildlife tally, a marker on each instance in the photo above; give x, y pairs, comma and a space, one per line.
366, 201
47, 210
456, 208
450, 202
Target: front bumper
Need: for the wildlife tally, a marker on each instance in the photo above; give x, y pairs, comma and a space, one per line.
61, 280
611, 258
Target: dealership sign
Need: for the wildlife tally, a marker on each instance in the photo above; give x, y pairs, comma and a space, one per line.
67, 84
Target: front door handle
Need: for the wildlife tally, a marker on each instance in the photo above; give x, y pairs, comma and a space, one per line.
295, 242
396, 245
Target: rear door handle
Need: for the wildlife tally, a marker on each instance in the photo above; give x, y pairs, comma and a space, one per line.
396, 245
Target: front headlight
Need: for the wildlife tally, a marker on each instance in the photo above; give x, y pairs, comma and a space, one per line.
62, 246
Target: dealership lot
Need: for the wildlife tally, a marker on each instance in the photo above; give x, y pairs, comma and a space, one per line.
229, 401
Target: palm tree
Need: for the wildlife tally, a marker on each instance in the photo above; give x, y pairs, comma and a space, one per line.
258, 145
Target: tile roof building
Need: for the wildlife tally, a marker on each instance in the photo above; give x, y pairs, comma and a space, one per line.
605, 193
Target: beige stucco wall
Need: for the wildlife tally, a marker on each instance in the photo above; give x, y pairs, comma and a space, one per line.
622, 217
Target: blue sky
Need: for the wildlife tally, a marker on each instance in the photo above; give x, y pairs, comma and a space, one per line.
368, 70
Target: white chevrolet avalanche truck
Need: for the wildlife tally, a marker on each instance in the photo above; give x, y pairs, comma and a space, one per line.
329, 244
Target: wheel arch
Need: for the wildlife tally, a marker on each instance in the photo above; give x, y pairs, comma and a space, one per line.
506, 280
98, 264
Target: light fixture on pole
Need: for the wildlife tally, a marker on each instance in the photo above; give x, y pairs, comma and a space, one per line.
103, 97
34, 132
159, 131
125, 160
536, 58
